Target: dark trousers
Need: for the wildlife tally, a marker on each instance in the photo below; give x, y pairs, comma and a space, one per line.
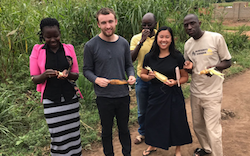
108, 109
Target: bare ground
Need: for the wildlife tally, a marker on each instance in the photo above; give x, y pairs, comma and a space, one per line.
237, 24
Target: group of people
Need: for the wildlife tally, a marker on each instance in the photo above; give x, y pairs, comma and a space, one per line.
161, 107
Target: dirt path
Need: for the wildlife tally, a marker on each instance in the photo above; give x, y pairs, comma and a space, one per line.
236, 130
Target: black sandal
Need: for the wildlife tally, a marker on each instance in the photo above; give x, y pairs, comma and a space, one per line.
200, 152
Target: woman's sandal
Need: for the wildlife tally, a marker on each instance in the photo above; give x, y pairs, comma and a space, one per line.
149, 152
200, 152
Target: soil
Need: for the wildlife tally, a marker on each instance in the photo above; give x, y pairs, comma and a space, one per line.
235, 122
236, 23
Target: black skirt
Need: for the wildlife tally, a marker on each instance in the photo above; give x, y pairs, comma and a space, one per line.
166, 119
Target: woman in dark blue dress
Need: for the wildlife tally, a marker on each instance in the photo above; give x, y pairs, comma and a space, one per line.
166, 119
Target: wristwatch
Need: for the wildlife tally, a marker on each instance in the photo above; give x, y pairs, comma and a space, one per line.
140, 43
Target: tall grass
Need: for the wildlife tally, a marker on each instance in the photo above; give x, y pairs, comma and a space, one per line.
20, 23
23, 130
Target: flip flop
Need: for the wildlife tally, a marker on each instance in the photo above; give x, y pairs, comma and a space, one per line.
199, 152
149, 152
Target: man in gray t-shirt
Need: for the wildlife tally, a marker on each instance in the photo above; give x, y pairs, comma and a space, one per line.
205, 50
106, 57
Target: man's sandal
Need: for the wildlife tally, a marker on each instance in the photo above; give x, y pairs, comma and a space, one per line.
200, 152
139, 139
149, 152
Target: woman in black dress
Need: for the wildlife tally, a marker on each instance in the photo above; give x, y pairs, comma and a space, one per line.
166, 119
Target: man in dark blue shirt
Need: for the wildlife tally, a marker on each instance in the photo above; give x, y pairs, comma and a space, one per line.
106, 57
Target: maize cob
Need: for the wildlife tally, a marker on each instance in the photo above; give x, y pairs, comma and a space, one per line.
118, 82
158, 75
60, 73
212, 71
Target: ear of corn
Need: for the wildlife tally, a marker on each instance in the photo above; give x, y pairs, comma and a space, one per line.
158, 75
118, 82
60, 73
212, 71
205, 71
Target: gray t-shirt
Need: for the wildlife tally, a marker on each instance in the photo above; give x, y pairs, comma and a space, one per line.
110, 60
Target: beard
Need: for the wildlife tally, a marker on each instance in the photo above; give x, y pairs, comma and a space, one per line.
108, 34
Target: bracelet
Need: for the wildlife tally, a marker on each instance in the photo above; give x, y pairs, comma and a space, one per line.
140, 43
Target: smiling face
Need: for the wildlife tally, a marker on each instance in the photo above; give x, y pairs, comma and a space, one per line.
192, 26
107, 24
164, 39
52, 35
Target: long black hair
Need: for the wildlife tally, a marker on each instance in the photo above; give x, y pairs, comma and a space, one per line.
155, 49
47, 22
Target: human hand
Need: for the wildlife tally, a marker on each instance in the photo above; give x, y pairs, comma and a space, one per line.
151, 75
131, 80
102, 82
188, 65
49, 73
171, 82
145, 34
208, 73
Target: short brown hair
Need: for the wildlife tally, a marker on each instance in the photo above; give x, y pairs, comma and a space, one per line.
105, 11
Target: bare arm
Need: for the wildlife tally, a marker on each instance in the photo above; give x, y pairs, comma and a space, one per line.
223, 65
73, 76
147, 75
134, 53
49, 73
184, 76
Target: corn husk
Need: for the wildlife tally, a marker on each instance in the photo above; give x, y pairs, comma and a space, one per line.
212, 71
178, 75
158, 75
